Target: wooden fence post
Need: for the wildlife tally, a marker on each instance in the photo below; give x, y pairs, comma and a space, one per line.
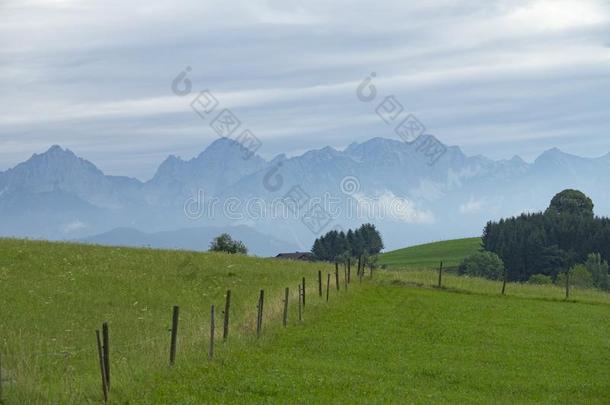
172, 347
259, 319
225, 324
359, 263
106, 353
371, 269
102, 369
320, 282
327, 286
337, 274
1, 401
285, 318
303, 287
567, 284
212, 330
440, 275
345, 278
337, 278
504, 281
300, 303
364, 262
349, 270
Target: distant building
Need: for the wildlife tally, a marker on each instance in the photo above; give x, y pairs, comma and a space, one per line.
305, 256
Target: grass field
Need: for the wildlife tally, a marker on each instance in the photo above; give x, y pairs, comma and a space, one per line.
397, 344
481, 286
429, 255
392, 339
54, 295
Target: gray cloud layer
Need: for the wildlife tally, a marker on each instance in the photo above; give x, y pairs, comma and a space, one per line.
495, 77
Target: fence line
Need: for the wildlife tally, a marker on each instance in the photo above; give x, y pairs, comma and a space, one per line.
103, 337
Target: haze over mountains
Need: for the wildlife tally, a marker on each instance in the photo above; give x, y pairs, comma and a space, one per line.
57, 195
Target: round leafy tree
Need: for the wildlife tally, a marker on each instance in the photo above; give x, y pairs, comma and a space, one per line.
483, 264
224, 243
571, 202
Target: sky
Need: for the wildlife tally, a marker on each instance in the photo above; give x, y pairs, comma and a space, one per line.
498, 78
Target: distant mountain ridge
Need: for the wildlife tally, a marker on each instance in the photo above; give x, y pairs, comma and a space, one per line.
57, 195
197, 239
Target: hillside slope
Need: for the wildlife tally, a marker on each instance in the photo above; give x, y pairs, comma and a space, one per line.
196, 239
430, 347
381, 340
53, 296
429, 255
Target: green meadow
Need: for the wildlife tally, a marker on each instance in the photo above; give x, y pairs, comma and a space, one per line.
429, 255
393, 338
55, 295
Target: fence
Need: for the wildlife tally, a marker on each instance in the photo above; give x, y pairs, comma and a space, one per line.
105, 350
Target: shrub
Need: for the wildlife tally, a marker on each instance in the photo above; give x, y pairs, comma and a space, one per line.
579, 277
224, 243
540, 279
483, 264
599, 271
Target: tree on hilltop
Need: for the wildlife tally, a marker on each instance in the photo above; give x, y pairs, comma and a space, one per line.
224, 243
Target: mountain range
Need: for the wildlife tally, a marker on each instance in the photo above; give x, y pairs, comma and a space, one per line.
411, 198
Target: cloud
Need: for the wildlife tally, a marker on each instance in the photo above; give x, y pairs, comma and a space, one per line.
386, 205
472, 206
477, 73
73, 226
558, 14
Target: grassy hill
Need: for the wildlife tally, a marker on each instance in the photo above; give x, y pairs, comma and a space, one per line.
384, 340
54, 295
390, 343
429, 255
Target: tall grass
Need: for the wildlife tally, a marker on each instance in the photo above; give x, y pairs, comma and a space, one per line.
429, 278
54, 295
397, 344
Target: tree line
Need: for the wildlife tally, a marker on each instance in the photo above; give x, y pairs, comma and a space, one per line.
338, 246
553, 242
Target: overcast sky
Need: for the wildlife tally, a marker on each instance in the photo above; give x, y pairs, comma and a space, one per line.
495, 77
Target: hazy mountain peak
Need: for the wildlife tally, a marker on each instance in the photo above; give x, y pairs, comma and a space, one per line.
60, 170
227, 147
325, 153
329, 150
169, 165
54, 149
396, 150
553, 151
57, 151
56, 189
555, 155
221, 164
380, 142
373, 146
426, 137
221, 144
56, 160
517, 159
